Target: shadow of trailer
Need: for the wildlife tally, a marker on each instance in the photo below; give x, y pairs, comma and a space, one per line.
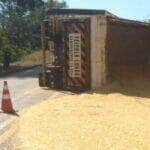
90, 48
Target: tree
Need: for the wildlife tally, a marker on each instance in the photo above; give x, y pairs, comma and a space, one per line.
20, 19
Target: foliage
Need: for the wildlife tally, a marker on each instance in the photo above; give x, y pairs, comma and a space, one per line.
20, 25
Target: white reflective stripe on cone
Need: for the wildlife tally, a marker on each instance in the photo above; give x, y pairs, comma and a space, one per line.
5, 87
6, 97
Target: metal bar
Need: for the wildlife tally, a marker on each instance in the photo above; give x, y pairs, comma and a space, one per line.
43, 48
57, 11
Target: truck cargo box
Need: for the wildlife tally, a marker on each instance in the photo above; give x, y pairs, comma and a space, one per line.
92, 48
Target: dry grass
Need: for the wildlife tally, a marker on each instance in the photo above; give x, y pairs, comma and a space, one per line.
87, 122
33, 59
26, 62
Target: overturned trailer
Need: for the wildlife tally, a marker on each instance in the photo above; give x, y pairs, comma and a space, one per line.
91, 47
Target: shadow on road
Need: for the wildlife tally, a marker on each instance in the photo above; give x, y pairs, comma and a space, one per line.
139, 89
11, 114
20, 72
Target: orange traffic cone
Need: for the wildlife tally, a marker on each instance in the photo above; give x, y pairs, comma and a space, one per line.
6, 100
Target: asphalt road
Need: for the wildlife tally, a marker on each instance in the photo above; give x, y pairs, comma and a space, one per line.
25, 92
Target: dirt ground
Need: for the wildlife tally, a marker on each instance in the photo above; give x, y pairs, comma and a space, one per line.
89, 121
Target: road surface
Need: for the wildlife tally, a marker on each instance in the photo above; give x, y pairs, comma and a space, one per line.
25, 91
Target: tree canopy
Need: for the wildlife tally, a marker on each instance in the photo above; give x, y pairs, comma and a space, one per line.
20, 25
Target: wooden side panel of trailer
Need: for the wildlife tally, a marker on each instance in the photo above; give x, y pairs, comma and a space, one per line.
128, 50
77, 46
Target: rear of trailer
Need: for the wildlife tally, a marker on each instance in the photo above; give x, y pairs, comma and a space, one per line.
89, 48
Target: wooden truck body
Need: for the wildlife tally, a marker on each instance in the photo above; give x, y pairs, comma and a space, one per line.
91, 47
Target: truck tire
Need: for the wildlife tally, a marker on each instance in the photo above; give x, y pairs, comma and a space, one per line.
41, 80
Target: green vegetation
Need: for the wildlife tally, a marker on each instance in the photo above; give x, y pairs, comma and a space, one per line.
20, 25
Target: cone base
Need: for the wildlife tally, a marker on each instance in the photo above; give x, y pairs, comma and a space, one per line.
7, 105
9, 112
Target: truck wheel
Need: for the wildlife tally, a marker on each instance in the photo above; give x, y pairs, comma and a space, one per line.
41, 80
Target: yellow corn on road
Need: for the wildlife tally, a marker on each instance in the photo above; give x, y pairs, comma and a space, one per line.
25, 91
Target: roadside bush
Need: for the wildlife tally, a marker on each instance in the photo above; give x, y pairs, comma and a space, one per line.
17, 54
1, 55
20, 26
